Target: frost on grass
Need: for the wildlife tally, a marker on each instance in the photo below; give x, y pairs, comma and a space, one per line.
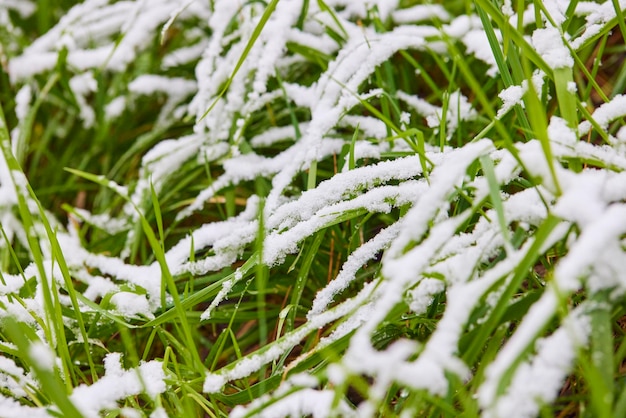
309, 119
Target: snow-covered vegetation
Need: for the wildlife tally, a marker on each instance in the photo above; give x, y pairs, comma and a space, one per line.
312, 208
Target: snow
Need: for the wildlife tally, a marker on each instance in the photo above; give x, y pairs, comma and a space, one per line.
353, 264
83, 85
560, 132
22, 101
539, 380
427, 251
14, 379
556, 10
131, 304
513, 95
549, 44
477, 43
184, 55
510, 96
606, 113
42, 356
115, 108
459, 110
150, 84
420, 13
117, 384
24, 7
596, 17
13, 409
421, 297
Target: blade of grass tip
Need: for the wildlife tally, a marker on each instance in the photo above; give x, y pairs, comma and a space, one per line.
173, 16
496, 199
202, 403
591, 79
283, 319
255, 34
216, 350
239, 355
503, 68
218, 346
50, 381
598, 129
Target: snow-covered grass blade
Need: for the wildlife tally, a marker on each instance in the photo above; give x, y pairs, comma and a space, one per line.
312, 208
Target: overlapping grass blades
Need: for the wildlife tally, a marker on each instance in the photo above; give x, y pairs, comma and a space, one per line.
312, 208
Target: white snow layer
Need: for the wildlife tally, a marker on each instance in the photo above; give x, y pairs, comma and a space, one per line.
423, 253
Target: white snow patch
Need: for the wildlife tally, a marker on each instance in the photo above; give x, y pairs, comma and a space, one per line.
132, 305
118, 384
549, 44
42, 355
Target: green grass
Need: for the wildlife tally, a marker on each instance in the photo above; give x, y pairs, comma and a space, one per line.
283, 239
